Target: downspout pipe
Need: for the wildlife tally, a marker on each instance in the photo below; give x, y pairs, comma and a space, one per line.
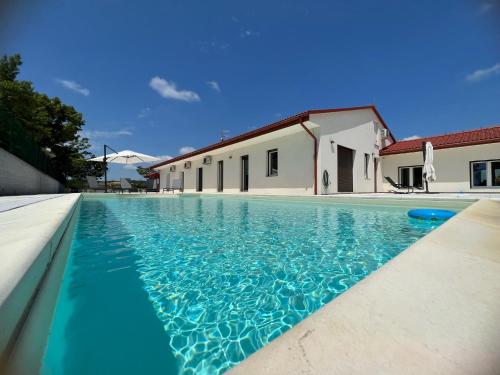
315, 156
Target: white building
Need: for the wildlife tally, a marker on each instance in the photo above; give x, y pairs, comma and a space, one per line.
466, 161
324, 152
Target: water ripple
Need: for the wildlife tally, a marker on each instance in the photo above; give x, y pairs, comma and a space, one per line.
227, 276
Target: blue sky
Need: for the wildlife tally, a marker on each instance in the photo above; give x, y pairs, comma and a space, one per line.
162, 77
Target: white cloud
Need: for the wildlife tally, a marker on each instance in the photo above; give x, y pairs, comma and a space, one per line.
93, 134
214, 45
481, 74
485, 7
164, 157
411, 138
186, 150
169, 90
145, 112
248, 33
73, 86
130, 166
214, 85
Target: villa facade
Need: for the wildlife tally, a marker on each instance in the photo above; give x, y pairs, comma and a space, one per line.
331, 151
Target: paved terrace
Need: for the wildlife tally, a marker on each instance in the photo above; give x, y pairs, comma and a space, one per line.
433, 309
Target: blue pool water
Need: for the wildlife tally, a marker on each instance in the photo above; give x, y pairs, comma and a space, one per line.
195, 285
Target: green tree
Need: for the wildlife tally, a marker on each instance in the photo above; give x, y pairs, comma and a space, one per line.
55, 126
143, 171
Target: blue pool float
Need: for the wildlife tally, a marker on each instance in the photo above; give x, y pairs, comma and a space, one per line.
430, 214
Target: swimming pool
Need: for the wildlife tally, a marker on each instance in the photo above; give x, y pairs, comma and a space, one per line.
197, 284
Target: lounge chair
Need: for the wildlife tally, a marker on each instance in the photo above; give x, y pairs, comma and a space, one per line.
176, 185
125, 185
94, 184
151, 186
399, 187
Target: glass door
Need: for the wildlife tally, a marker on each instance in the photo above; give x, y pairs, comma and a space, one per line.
244, 173
220, 175
199, 179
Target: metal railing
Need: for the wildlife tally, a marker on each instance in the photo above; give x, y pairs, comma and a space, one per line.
14, 138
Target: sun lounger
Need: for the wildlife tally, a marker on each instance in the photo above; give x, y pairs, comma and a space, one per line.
399, 187
125, 185
176, 185
94, 184
151, 186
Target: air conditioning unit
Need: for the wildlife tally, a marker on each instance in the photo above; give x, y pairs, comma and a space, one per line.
187, 165
207, 160
172, 168
384, 133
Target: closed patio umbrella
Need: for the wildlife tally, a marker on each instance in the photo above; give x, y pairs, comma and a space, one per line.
428, 172
122, 157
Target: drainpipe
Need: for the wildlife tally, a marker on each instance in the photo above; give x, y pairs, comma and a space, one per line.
315, 156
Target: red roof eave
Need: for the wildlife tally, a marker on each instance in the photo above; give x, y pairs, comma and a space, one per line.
289, 121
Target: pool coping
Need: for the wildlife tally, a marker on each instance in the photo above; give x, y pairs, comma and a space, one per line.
387, 201
31, 235
433, 309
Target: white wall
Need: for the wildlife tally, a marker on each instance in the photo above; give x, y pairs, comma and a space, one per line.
18, 177
356, 130
451, 165
295, 168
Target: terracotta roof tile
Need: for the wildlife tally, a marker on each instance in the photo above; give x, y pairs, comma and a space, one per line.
460, 139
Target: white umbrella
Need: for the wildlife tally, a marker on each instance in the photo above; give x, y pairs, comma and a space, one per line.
126, 157
122, 157
428, 172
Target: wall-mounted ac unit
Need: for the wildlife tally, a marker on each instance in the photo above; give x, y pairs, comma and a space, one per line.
187, 165
207, 160
384, 133
172, 168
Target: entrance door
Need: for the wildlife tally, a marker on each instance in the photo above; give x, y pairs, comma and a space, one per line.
199, 179
345, 160
182, 181
244, 173
220, 175
375, 170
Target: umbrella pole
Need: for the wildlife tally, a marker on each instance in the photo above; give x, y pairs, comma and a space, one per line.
105, 172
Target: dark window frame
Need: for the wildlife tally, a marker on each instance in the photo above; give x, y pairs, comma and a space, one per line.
488, 161
220, 176
244, 185
366, 166
199, 179
410, 177
269, 168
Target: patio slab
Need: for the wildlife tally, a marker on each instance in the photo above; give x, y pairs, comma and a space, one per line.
10, 202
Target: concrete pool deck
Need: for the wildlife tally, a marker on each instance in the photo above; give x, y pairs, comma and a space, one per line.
31, 234
433, 309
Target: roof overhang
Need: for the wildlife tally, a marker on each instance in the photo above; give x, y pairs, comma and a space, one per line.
258, 135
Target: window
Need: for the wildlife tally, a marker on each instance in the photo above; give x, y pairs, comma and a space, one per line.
367, 163
220, 176
199, 179
495, 173
244, 173
411, 176
479, 174
417, 177
485, 173
272, 163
